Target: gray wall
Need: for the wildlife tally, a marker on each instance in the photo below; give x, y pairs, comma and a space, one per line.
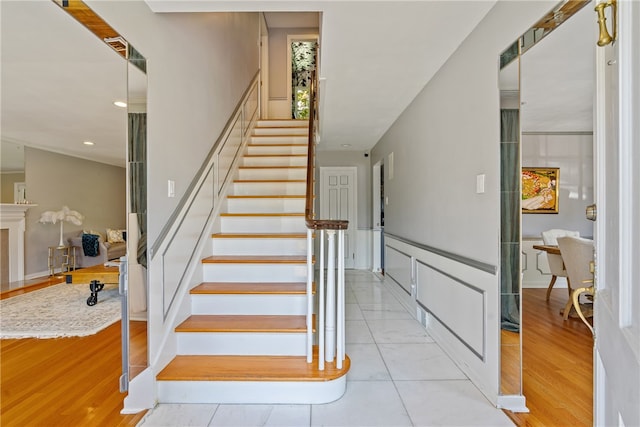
448, 135
198, 66
573, 154
351, 158
96, 190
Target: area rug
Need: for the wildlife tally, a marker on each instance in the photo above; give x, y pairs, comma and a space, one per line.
58, 311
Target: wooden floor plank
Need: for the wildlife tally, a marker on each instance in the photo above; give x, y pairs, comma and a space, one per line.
557, 364
63, 382
232, 323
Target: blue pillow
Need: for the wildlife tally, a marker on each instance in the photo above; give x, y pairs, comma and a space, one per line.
90, 244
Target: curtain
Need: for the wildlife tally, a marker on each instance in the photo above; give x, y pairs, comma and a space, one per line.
510, 219
137, 178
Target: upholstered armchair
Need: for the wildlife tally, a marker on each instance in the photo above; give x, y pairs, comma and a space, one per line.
556, 264
578, 258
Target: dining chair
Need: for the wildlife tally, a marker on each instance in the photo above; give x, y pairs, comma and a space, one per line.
578, 256
556, 266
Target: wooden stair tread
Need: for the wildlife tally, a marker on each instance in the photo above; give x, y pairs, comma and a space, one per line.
262, 214
243, 323
255, 259
272, 167
280, 135
266, 196
268, 180
250, 288
283, 144
276, 155
250, 368
259, 236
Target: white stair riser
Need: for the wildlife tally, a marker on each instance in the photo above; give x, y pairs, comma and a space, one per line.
254, 272
263, 224
275, 161
259, 246
276, 150
270, 173
265, 205
241, 343
284, 123
269, 188
279, 131
256, 392
282, 139
271, 304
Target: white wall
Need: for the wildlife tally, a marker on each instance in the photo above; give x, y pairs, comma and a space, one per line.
573, 154
54, 180
448, 135
198, 66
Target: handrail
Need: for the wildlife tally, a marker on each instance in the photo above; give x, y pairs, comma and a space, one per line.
331, 310
310, 221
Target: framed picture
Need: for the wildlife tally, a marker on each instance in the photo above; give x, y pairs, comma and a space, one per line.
540, 190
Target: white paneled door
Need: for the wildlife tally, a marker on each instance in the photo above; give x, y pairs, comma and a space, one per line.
338, 200
617, 300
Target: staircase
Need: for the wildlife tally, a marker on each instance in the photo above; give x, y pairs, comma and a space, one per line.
245, 340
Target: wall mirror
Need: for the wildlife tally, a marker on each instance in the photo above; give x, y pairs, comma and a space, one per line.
134, 311
137, 210
12, 160
512, 116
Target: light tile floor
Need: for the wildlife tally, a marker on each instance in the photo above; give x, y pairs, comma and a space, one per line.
399, 377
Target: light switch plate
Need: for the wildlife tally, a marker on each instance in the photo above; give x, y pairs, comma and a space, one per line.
480, 183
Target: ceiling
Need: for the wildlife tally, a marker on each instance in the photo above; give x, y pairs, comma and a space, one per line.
558, 76
59, 80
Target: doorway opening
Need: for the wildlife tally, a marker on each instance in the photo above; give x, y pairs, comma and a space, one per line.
378, 217
302, 54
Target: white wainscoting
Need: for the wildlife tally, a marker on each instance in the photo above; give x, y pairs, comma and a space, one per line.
457, 299
535, 267
363, 255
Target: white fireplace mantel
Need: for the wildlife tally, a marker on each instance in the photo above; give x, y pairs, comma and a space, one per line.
12, 217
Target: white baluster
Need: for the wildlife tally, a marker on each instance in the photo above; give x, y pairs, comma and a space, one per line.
340, 302
321, 310
309, 296
330, 328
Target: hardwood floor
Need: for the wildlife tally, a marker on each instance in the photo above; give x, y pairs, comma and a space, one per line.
557, 364
64, 381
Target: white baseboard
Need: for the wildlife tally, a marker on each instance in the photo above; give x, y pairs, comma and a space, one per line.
513, 403
36, 275
561, 283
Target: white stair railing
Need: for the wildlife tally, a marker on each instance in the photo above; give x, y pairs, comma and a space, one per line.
330, 285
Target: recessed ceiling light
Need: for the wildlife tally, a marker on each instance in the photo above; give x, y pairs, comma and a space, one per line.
120, 104
88, 143
346, 145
